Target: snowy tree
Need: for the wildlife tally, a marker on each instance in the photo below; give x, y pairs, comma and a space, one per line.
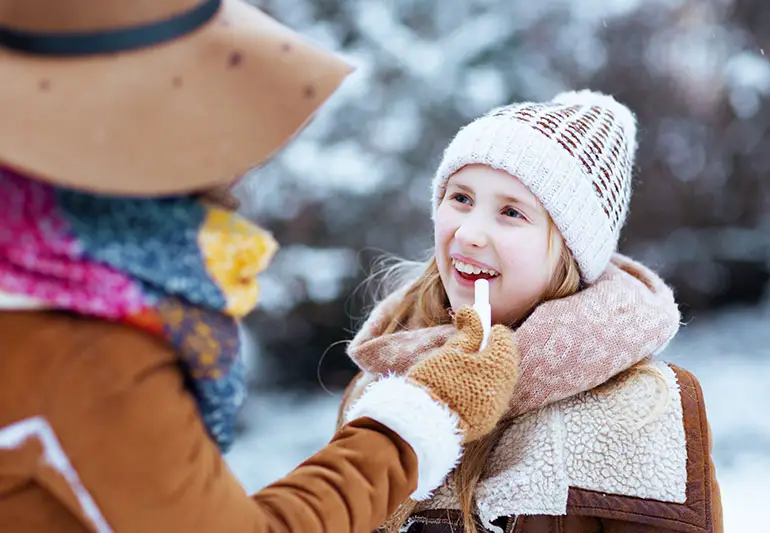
355, 183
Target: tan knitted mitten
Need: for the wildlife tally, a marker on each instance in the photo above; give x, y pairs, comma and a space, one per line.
476, 385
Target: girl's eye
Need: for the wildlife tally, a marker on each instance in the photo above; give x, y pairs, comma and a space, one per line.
460, 197
511, 212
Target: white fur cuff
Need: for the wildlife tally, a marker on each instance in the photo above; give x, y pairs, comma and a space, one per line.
431, 429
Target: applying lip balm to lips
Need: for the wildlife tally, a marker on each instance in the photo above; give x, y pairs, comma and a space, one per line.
482, 307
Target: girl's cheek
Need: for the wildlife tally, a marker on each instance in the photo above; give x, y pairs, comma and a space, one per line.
442, 227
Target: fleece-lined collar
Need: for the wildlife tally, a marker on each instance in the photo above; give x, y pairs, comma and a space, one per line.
597, 441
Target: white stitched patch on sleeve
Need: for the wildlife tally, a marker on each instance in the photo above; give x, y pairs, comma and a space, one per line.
18, 302
16, 434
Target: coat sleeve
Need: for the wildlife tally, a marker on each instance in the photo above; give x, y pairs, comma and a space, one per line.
133, 436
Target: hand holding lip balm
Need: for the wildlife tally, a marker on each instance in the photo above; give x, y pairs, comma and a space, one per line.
482, 307
452, 373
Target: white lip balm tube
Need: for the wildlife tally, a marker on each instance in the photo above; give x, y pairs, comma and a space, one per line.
482, 307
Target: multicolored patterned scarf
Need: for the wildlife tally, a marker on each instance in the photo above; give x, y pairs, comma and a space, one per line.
175, 267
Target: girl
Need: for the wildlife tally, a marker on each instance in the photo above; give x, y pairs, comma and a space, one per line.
597, 436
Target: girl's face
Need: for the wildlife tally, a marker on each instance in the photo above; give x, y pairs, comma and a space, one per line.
490, 225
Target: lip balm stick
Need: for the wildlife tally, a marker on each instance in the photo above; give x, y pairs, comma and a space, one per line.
482, 307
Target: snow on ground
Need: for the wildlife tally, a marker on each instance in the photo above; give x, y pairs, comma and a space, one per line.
285, 430
729, 353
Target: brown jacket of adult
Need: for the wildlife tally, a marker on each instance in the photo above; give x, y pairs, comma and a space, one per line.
97, 433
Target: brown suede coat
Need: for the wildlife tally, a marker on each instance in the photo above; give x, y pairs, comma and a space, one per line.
593, 512
97, 433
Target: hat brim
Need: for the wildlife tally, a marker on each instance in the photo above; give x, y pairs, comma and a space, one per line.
180, 117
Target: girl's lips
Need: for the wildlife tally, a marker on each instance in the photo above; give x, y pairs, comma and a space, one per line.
464, 281
469, 261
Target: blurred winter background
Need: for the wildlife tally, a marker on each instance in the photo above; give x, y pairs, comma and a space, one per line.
354, 185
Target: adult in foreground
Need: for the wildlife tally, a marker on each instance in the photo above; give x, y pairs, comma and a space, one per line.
121, 283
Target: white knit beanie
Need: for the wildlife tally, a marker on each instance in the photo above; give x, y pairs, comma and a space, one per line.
575, 153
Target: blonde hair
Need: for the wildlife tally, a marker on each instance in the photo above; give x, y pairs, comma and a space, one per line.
426, 304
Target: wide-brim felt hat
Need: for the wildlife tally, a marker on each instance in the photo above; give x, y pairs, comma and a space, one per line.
152, 97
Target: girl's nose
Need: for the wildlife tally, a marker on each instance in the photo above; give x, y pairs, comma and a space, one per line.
471, 234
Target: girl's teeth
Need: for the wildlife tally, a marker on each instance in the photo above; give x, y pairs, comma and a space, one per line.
472, 270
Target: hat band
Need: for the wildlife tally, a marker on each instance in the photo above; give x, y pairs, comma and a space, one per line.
109, 41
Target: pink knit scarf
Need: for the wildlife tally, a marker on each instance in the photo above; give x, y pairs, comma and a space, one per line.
567, 346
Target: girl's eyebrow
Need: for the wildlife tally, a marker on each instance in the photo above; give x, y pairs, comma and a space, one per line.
503, 197
514, 200
460, 186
